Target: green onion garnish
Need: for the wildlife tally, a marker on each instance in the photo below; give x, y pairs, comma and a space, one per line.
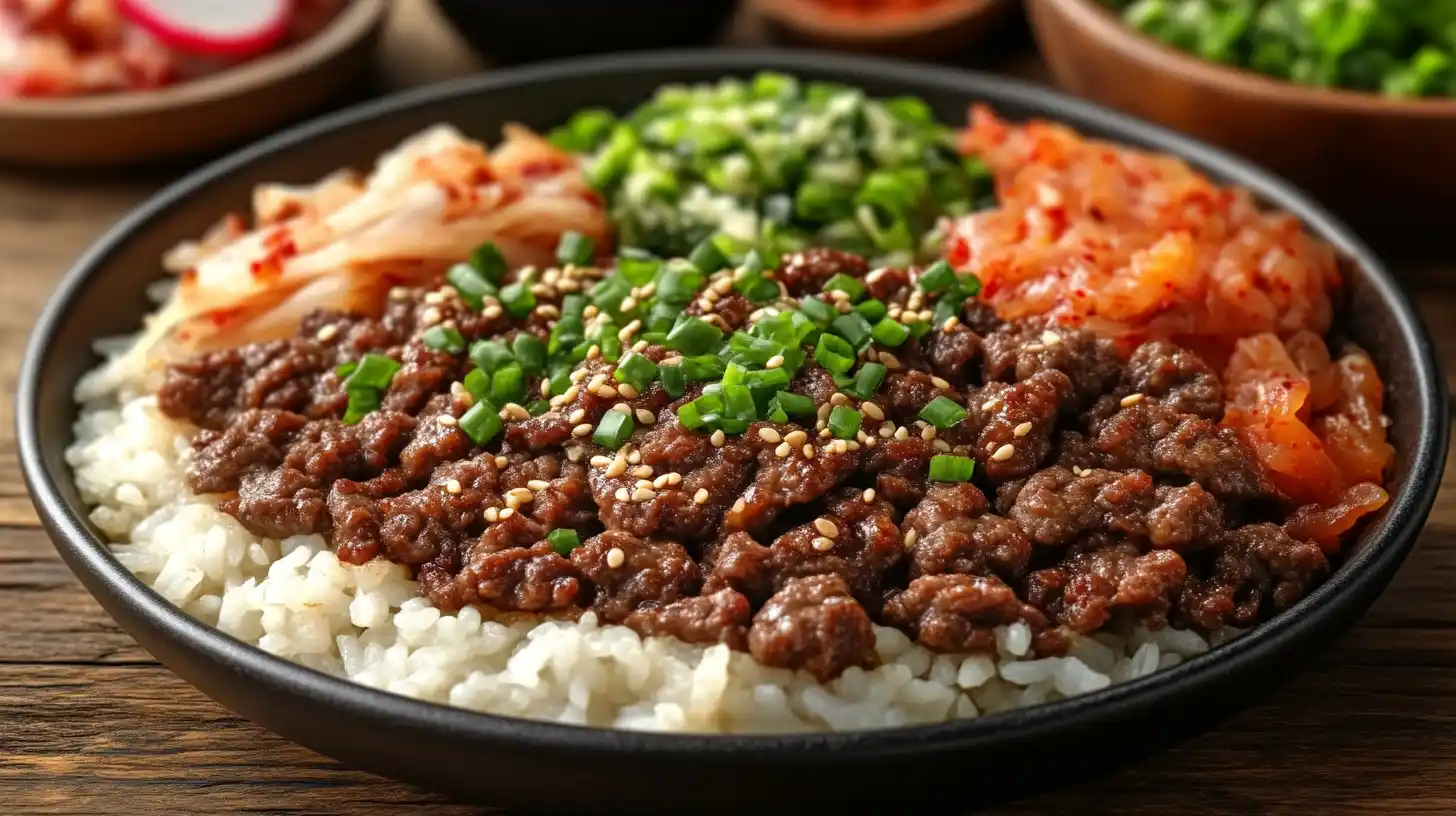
707, 257
538, 407
477, 382
444, 338
844, 422
854, 328
530, 352
867, 380
637, 266
344, 370
938, 277
518, 298
563, 540
889, 332
508, 384
794, 404
818, 311
614, 429
470, 283
834, 354
481, 423
489, 262
694, 335
362, 401
637, 370
951, 468
873, 310
574, 249
844, 283
947, 307
942, 412
678, 284
488, 355
609, 293
374, 371
673, 381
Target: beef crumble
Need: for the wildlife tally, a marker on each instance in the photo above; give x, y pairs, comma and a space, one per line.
1104, 490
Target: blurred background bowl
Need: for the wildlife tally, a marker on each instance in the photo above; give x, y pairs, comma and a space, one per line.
516, 31
199, 116
1388, 165
940, 31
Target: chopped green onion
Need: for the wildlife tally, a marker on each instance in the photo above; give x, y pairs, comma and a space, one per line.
530, 352
938, 277
844, 422
470, 283
563, 540
690, 416
610, 345
561, 381
854, 328
821, 313
889, 332
873, 310
942, 412
609, 293
518, 299
343, 371
947, 307
919, 328
767, 379
444, 338
702, 367
508, 384
739, 409
614, 429
843, 283
693, 335
794, 404
574, 249
482, 422
951, 468
374, 371
678, 284
867, 380
673, 381
636, 370
489, 262
538, 407
477, 382
637, 266
362, 401
488, 355
834, 354
969, 285
707, 257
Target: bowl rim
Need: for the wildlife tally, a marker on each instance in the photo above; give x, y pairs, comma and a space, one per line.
1392, 535
353, 23
1101, 24
812, 18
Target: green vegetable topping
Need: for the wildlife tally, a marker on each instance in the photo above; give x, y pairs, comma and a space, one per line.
942, 412
444, 338
951, 468
614, 429
844, 422
563, 540
481, 423
834, 354
574, 249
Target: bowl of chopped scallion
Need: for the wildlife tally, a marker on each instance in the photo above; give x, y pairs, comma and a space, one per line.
1354, 99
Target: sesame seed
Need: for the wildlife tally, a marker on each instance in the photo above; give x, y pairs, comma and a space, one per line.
1003, 453
628, 303
1050, 337
887, 430
661, 481
642, 471
622, 494
870, 442
672, 361
808, 451
593, 352
581, 430
548, 311
625, 335
644, 482
872, 410
492, 312
701, 497
1076, 470
927, 433
990, 446
622, 408
940, 445
826, 527
783, 450
774, 361
910, 536
674, 478
645, 416
823, 544
627, 390
991, 404
430, 316
1384, 421
522, 495
577, 416
643, 494
950, 323
571, 393
616, 467
889, 360
545, 389
399, 293
327, 333
718, 438
538, 484
635, 458
640, 345
901, 433
574, 453
1131, 400
590, 311
600, 461
796, 438
452, 486
606, 392
501, 462
580, 374
1033, 347
447, 420
515, 411
507, 513
723, 285
869, 495
770, 436
940, 383
824, 432
615, 557
1022, 430
824, 411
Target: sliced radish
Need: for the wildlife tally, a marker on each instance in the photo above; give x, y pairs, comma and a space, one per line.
221, 28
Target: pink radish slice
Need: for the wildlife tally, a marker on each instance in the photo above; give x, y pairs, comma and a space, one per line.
221, 28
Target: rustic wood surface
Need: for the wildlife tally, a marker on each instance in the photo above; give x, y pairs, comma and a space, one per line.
90, 723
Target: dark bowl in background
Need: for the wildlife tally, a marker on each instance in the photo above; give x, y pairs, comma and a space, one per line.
519, 763
518, 31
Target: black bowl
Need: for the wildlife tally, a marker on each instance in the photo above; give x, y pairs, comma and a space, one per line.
516, 762
517, 31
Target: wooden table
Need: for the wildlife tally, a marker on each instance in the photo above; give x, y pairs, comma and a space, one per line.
89, 723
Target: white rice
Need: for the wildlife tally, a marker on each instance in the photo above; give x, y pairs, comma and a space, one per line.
369, 624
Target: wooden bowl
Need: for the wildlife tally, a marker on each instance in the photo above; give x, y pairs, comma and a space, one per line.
1388, 165
939, 32
200, 116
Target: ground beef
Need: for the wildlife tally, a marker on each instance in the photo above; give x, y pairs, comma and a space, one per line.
813, 624
721, 617
630, 572
1018, 350
1154, 437
805, 273
1101, 576
954, 533
1009, 428
1259, 571
958, 613
953, 354
1175, 377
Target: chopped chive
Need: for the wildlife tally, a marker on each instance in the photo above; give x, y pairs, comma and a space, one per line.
969, 285
477, 382
574, 249
488, 355
614, 429
739, 409
794, 404
889, 332
834, 353
609, 293
560, 378
947, 307
444, 338
489, 262
374, 371
471, 283
530, 352
867, 380
362, 401
702, 367
854, 328
873, 310
945, 468
690, 416
508, 384
821, 313
936, 278
482, 422
707, 257
673, 381
538, 407
678, 284
343, 371
638, 266
693, 335
942, 412
767, 379
844, 422
637, 370
844, 283
518, 299
919, 328
611, 346
563, 540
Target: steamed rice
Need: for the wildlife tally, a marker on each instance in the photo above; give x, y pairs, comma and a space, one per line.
369, 623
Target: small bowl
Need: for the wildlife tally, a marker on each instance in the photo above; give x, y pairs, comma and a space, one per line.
946, 29
1387, 165
519, 31
199, 116
544, 766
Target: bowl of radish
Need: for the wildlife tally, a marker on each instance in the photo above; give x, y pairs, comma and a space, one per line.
93, 83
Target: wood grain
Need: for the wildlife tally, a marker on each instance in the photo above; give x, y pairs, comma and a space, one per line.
90, 723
